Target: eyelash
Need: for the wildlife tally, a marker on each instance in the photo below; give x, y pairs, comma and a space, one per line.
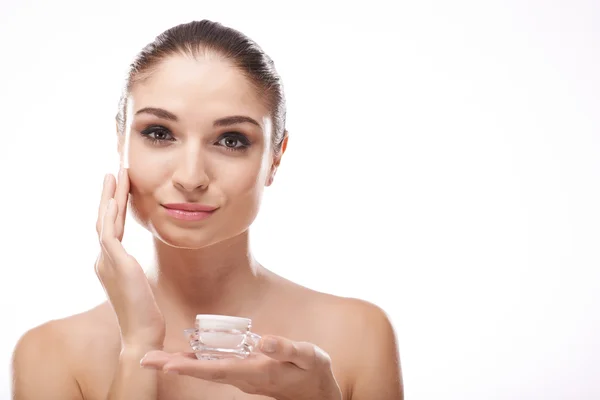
153, 130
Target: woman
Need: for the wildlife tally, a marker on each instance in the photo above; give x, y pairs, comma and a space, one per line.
201, 132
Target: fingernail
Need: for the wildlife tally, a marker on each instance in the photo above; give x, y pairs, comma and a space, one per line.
269, 345
106, 178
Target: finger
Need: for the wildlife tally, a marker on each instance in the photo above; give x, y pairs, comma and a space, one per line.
157, 358
226, 370
110, 243
108, 190
302, 354
121, 196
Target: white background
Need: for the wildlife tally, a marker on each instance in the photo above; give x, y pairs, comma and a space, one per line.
444, 164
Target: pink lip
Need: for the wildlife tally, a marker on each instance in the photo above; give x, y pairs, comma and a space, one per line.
189, 211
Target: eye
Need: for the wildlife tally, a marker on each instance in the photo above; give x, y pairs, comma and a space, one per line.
234, 141
157, 133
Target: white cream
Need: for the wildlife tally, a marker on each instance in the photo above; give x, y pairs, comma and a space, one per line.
223, 322
220, 336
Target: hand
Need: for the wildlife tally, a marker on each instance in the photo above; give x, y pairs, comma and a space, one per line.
140, 320
285, 370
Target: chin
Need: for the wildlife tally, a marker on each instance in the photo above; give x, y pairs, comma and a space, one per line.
192, 239
185, 238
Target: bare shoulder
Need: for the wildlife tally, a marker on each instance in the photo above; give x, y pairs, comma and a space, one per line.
357, 313
374, 360
358, 320
45, 359
343, 312
361, 337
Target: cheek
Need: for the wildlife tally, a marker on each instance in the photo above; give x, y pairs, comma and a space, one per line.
141, 189
242, 187
141, 181
243, 181
147, 173
148, 168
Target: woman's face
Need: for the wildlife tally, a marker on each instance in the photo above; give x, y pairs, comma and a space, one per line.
198, 135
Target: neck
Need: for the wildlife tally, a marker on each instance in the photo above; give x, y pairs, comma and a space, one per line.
220, 279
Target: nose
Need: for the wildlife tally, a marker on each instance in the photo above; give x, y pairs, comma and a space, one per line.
190, 173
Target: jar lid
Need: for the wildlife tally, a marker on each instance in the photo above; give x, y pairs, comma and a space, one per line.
208, 321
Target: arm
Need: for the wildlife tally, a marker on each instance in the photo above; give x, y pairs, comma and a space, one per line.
378, 372
140, 321
40, 368
131, 381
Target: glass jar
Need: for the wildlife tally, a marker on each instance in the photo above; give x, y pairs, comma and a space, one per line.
222, 336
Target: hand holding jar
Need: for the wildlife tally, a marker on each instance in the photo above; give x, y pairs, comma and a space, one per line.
224, 350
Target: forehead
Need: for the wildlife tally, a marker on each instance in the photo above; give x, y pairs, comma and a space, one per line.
203, 86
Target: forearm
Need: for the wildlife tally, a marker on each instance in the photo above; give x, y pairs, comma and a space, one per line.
131, 381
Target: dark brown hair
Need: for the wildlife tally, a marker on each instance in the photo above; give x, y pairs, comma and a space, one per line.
200, 38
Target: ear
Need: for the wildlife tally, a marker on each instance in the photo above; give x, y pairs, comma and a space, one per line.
277, 160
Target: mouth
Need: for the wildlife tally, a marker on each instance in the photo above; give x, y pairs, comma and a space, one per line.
189, 211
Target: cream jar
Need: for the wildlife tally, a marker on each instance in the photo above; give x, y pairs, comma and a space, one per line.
222, 336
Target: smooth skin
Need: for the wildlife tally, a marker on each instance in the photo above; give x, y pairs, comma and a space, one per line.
185, 147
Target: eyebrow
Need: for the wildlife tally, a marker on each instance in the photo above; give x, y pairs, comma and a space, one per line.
235, 119
157, 112
221, 122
